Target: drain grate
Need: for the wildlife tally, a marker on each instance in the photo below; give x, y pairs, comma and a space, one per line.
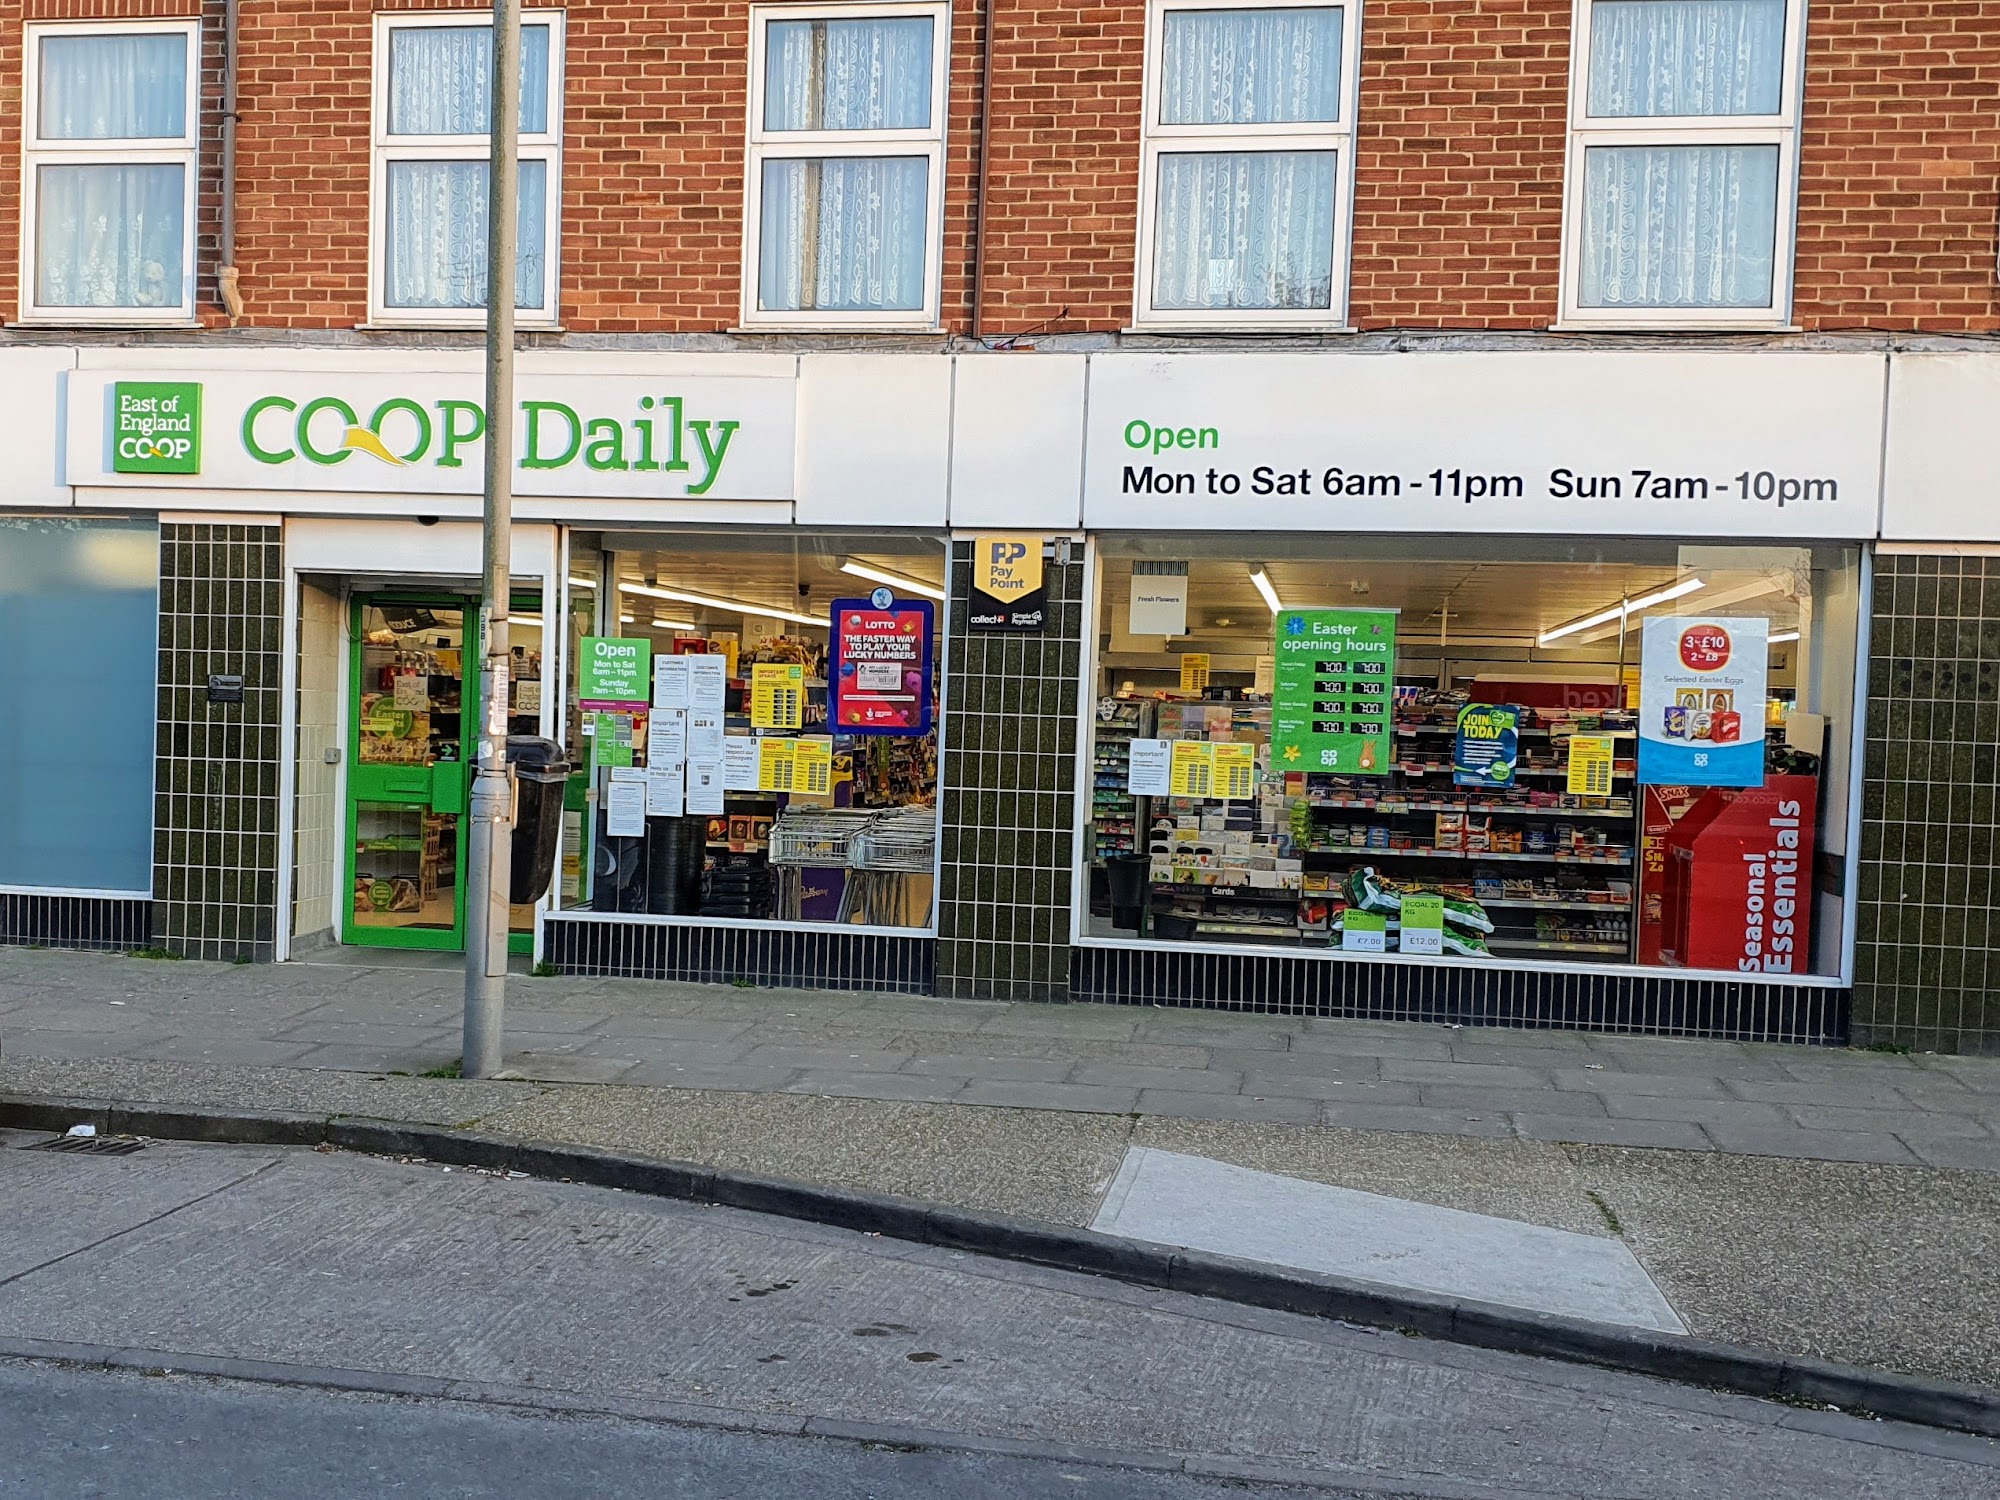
91, 1145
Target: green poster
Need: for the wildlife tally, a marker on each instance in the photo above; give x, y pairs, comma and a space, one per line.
1333, 688
611, 739
614, 669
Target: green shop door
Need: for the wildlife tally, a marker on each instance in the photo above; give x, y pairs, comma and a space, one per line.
410, 706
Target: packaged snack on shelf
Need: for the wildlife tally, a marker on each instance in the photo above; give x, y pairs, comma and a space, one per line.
1450, 830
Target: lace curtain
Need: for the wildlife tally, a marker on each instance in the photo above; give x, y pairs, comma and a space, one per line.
441, 80
845, 233
848, 75
1246, 229
441, 84
1250, 67
437, 234
1686, 57
1682, 225
111, 234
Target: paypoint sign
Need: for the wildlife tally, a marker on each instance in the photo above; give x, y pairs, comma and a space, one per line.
156, 427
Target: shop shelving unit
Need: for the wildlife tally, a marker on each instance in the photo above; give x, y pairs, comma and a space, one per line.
1114, 812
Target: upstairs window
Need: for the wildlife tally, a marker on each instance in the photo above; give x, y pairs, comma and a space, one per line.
1247, 166
845, 183
1683, 160
111, 118
433, 118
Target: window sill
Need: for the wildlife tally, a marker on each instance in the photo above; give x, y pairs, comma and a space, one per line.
752, 329
389, 326
108, 325
1689, 325
1238, 330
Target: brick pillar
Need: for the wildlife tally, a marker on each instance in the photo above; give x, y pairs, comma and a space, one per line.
1927, 952
1008, 797
215, 786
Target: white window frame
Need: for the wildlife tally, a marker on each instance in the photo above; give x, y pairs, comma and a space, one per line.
779, 145
36, 153
1780, 130
1158, 140
546, 146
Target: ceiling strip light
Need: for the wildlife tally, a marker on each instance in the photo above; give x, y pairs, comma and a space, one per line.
710, 601
1624, 607
1783, 636
1263, 581
893, 580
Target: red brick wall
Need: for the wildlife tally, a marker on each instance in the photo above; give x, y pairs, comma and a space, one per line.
1459, 161
1899, 159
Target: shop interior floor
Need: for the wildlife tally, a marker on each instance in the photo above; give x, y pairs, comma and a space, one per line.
1198, 1204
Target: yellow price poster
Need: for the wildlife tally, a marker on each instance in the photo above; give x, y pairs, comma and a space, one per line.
777, 695
1194, 671
776, 763
1590, 765
1193, 770
812, 766
1235, 771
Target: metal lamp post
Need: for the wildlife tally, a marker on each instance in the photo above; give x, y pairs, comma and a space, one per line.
490, 853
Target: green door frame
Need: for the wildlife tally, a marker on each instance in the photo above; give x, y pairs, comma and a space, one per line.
443, 787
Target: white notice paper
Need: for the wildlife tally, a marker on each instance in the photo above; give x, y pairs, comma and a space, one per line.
1149, 772
666, 736
704, 787
704, 736
625, 804
670, 681
740, 763
665, 787
707, 683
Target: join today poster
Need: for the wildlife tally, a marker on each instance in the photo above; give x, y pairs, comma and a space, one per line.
1702, 686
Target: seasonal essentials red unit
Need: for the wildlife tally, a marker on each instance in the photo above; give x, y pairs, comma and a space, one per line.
1726, 881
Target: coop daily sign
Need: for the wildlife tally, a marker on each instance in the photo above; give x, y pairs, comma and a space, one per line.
610, 436
1770, 444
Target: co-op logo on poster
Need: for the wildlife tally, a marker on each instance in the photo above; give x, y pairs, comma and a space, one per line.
657, 436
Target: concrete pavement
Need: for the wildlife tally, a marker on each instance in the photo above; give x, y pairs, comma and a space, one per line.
1881, 1265
375, 1275
374, 1012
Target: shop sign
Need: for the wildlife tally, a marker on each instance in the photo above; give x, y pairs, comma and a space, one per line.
777, 695
1488, 746
1331, 692
1194, 671
880, 670
156, 427
1778, 444
614, 669
1009, 589
610, 436
1701, 701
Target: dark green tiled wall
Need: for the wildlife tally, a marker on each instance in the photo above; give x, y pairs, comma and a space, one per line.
1008, 795
1927, 955
215, 789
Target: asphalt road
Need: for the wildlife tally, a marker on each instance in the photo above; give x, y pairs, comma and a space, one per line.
133, 1437
669, 1320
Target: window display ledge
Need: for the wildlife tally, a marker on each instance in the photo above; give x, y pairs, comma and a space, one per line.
1540, 965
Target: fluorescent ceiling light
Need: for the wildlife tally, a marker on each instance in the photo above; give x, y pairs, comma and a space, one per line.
1623, 608
1263, 581
710, 601
894, 580
583, 583
675, 625
1783, 636
524, 620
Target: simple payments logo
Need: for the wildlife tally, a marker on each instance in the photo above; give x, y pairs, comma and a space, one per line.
156, 427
